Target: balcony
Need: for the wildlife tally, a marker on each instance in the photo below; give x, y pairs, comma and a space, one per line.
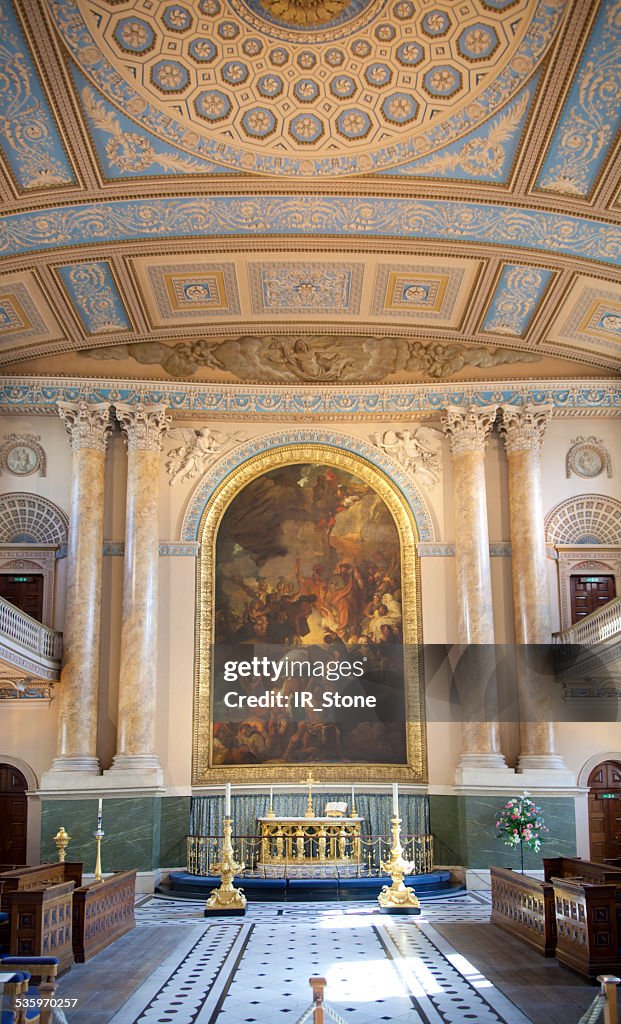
27, 647
601, 624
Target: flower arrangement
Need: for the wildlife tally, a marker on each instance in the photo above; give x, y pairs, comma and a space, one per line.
520, 823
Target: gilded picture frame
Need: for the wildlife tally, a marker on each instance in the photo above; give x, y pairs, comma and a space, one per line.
204, 771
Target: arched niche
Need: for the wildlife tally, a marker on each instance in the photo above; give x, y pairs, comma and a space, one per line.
33, 534
355, 473
585, 530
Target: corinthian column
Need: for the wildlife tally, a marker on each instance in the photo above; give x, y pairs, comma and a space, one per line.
88, 427
467, 430
524, 428
145, 427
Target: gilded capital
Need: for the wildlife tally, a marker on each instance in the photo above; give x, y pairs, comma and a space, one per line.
144, 425
467, 428
523, 426
88, 425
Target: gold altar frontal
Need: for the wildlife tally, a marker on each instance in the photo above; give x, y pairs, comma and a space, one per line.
308, 841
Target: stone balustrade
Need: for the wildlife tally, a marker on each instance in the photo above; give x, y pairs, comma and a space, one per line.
602, 624
28, 632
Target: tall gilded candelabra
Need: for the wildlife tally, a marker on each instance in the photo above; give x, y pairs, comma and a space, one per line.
397, 898
226, 899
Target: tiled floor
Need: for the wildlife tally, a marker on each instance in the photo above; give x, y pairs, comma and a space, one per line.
179, 968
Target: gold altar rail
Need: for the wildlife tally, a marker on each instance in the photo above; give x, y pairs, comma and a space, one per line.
203, 853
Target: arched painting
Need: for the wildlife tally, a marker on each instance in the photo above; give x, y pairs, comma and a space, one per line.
312, 628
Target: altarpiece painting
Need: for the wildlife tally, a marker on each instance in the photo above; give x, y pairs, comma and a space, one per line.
308, 585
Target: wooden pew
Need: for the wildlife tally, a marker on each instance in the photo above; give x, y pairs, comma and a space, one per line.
37, 876
102, 912
524, 907
594, 872
41, 923
587, 925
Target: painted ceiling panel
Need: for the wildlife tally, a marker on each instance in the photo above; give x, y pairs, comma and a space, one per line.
591, 117
299, 192
30, 141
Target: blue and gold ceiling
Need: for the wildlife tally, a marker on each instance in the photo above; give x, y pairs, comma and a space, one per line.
310, 190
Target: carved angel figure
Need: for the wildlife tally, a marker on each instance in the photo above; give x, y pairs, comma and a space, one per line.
417, 451
200, 449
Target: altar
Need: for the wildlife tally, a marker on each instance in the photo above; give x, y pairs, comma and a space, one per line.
308, 841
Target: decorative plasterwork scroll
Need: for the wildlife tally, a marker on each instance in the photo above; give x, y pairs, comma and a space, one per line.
201, 216
393, 402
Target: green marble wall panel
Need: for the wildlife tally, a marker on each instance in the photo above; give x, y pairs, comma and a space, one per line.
465, 833
175, 824
131, 827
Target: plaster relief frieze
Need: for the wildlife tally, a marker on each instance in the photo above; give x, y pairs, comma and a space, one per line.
418, 451
321, 359
201, 448
27, 395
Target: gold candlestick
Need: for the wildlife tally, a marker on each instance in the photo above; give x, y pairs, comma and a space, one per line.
99, 834
310, 813
62, 841
397, 898
226, 899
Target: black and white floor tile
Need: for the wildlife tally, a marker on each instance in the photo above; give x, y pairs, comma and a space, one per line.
255, 970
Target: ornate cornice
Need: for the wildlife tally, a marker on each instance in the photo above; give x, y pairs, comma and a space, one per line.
467, 429
144, 425
523, 427
88, 425
30, 395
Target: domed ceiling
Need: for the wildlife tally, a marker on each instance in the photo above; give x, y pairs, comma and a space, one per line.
310, 191
290, 86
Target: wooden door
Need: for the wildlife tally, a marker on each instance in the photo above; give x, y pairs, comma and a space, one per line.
605, 811
25, 592
588, 593
13, 817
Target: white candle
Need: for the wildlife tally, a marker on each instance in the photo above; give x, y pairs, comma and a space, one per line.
395, 799
227, 800
99, 807
271, 795
352, 797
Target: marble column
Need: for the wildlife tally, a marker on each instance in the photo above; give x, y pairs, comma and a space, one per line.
523, 428
468, 429
144, 426
88, 427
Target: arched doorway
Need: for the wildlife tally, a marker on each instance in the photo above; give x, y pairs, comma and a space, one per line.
13, 815
605, 810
